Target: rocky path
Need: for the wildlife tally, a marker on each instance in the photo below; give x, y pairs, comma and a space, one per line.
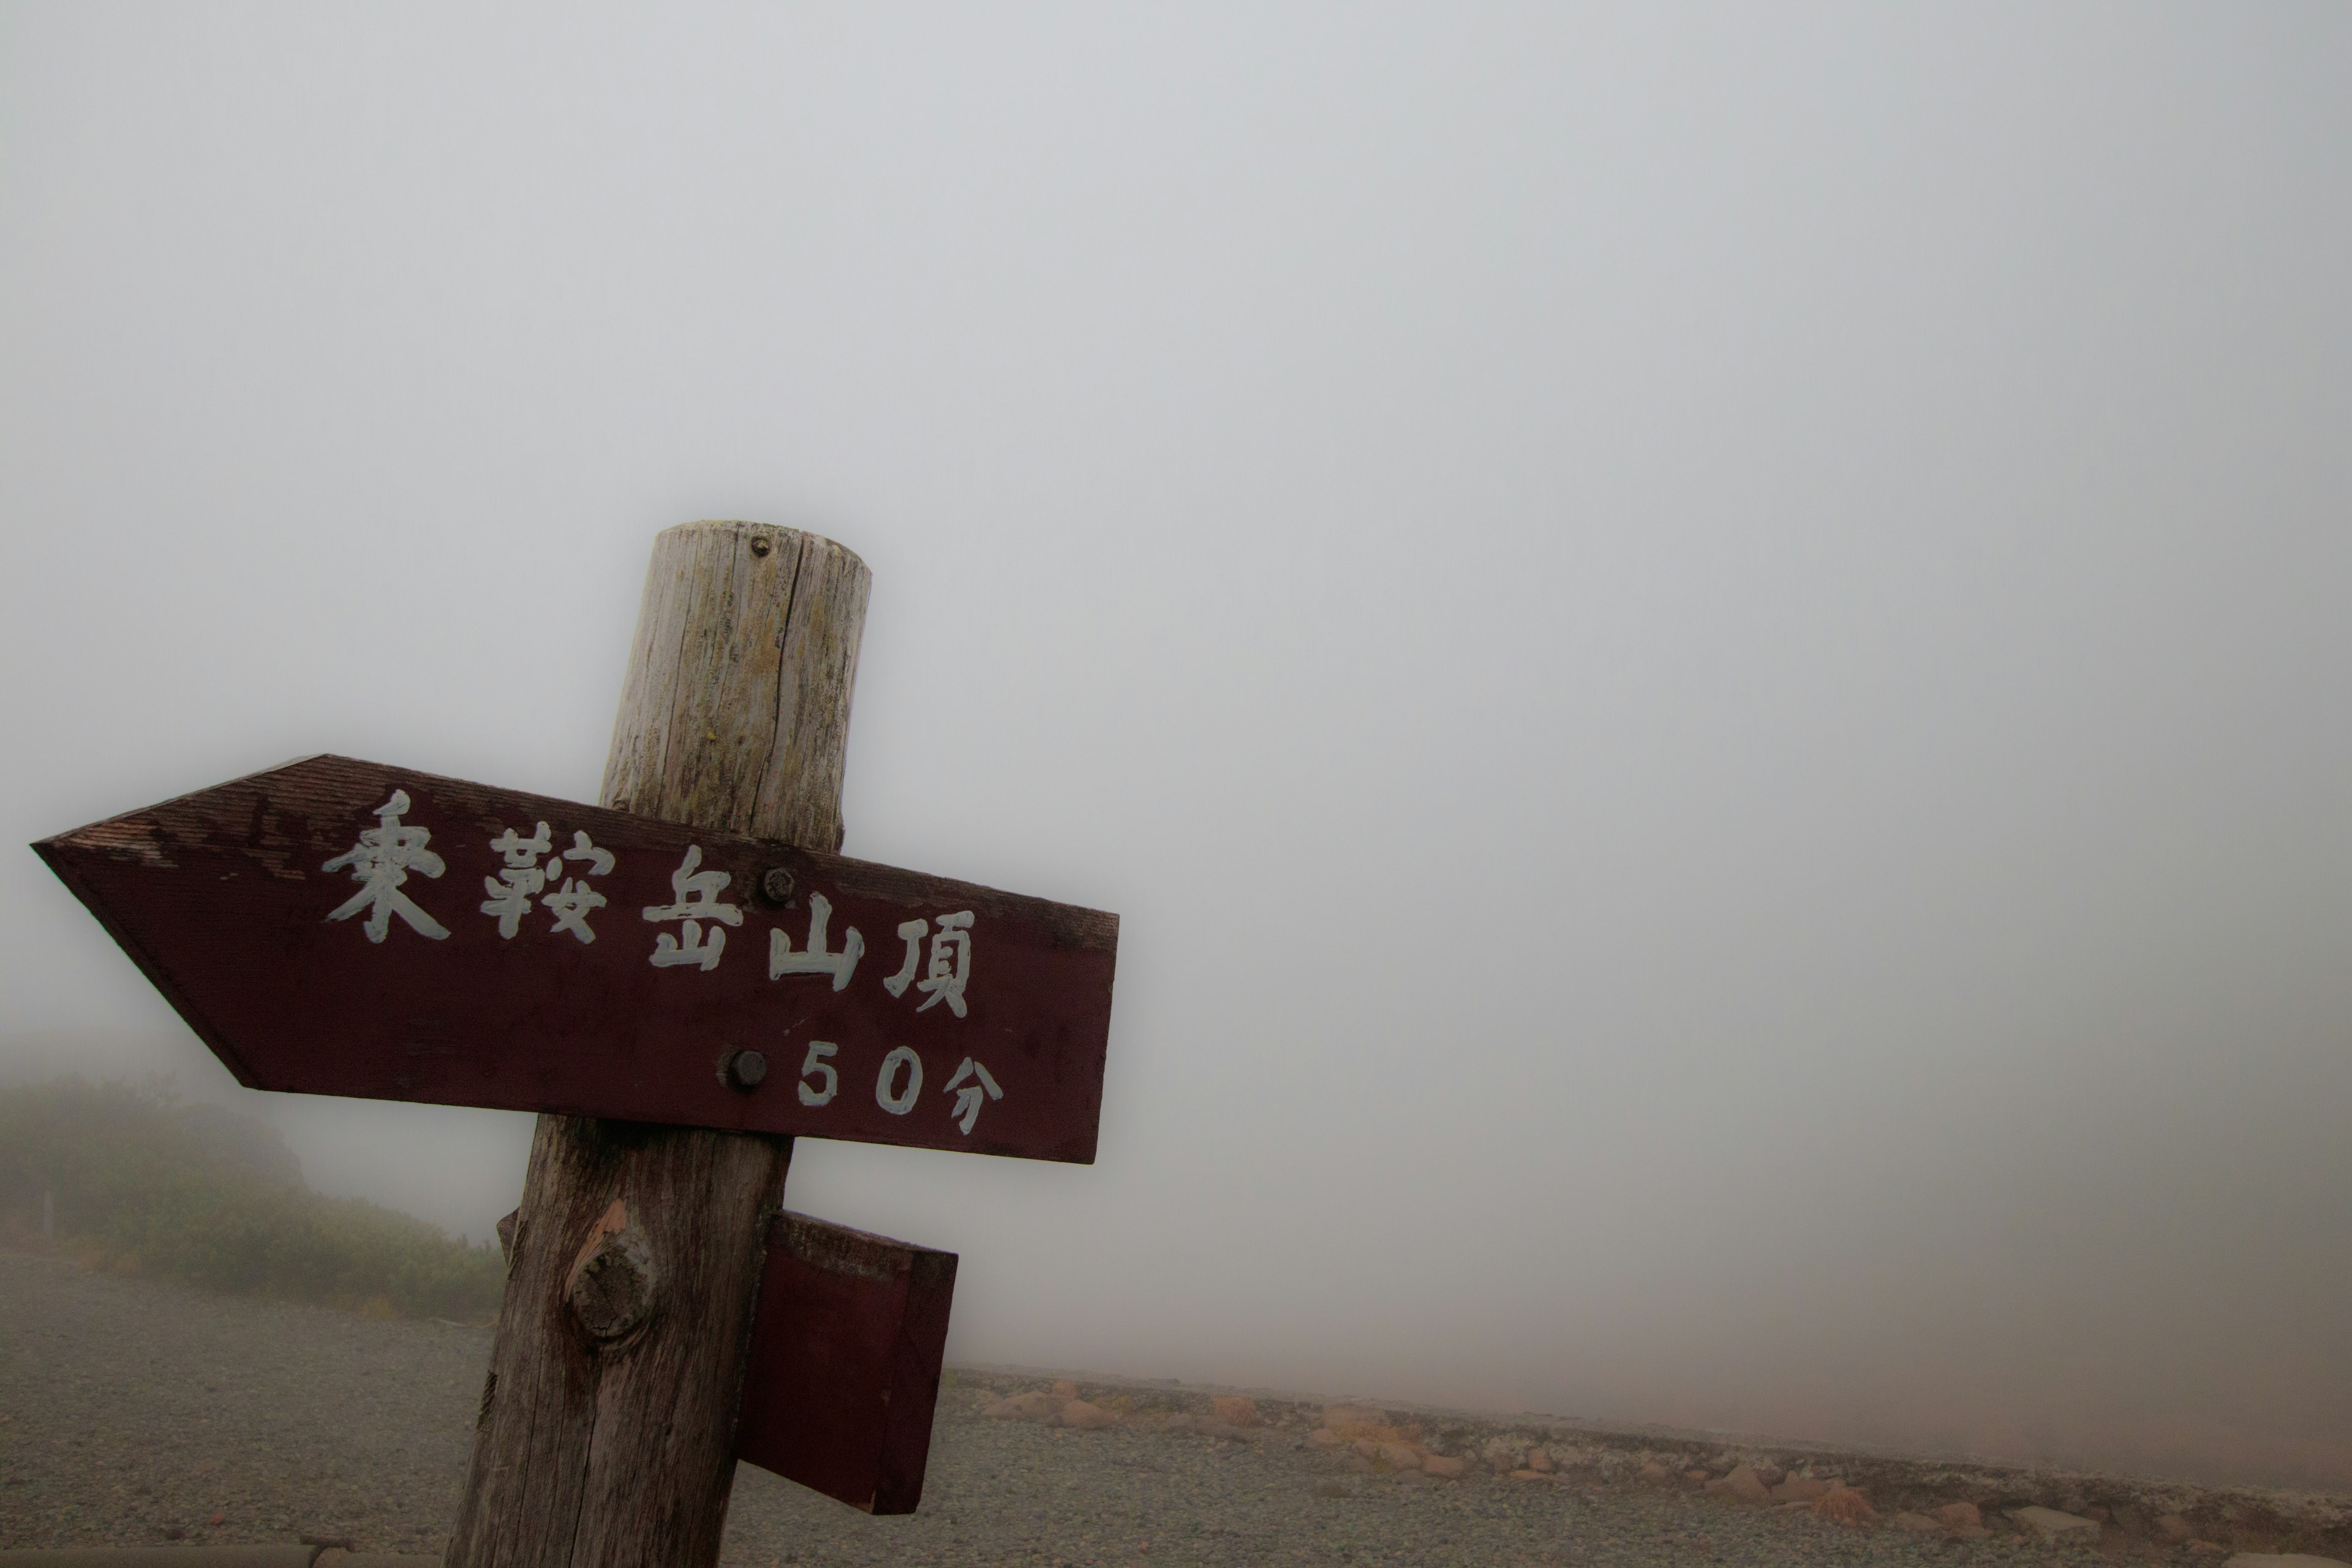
137, 1413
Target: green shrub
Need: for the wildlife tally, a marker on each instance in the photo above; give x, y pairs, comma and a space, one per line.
134, 1185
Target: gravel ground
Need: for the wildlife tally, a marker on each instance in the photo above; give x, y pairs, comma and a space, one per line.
132, 1413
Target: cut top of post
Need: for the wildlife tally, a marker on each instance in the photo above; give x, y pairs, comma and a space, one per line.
736, 710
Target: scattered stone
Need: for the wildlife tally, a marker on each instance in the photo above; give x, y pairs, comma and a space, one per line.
1338, 1415
1034, 1405
2052, 1524
1366, 1431
1361, 1440
1180, 1421
1065, 1390
1844, 1505
1744, 1484
1084, 1417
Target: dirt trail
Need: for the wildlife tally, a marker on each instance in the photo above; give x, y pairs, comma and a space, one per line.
135, 1413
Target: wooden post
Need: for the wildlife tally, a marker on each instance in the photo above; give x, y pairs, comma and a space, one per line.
607, 1436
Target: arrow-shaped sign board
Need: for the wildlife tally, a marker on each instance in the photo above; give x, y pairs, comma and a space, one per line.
340, 927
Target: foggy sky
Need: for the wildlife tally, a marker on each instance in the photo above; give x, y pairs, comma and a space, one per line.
1703, 649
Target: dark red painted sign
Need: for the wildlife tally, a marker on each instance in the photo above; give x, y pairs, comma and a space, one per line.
845, 1355
340, 927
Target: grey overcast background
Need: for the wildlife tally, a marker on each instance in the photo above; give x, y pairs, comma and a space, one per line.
1705, 648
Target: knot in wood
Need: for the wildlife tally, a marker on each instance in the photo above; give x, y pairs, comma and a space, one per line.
613, 1285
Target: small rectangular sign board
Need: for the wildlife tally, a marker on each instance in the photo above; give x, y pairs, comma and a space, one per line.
846, 1357
347, 928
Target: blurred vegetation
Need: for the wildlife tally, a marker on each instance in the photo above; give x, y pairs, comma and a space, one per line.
143, 1184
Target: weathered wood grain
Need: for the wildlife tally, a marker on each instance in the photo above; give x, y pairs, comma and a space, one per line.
847, 1349
735, 712
620, 1454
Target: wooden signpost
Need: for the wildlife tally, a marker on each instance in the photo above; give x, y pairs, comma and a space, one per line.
681, 982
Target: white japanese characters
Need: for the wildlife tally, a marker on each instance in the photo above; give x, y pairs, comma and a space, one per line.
697, 901
950, 965
380, 862
814, 959
512, 889
899, 1084
967, 1095
557, 882
570, 903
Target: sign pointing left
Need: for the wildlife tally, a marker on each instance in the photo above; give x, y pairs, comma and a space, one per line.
340, 927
